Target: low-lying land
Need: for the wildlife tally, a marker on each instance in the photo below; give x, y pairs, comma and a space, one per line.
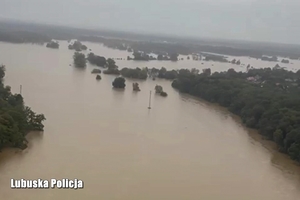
18, 32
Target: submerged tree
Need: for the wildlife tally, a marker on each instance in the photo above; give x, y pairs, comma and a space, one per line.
98, 77
96, 71
163, 94
96, 60
112, 67
111, 64
158, 89
79, 60
174, 57
136, 87
53, 45
134, 73
119, 82
77, 46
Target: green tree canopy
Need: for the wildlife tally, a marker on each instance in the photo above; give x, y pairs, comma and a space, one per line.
79, 60
16, 119
119, 82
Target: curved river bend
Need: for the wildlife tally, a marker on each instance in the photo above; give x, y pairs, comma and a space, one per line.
181, 149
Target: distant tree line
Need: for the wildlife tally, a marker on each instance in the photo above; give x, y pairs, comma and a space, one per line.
185, 48
216, 58
77, 46
53, 45
23, 37
271, 59
142, 56
38, 33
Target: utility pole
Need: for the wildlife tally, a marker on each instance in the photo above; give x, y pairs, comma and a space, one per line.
20, 89
150, 101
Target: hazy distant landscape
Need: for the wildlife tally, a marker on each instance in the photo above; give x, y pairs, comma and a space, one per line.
21, 32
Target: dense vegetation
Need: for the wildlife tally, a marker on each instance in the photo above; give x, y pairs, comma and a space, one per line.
170, 75
236, 62
216, 58
135, 87
134, 73
79, 60
285, 61
112, 68
119, 82
265, 99
96, 60
77, 46
271, 59
16, 119
23, 37
159, 90
20, 32
141, 56
53, 45
96, 71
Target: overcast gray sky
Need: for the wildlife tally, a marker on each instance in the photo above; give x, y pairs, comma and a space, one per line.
260, 20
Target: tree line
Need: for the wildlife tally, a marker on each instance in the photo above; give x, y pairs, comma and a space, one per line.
109, 65
16, 119
266, 99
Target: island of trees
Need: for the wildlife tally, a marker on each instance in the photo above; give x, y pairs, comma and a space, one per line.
79, 60
159, 90
16, 119
98, 77
136, 73
119, 83
285, 61
77, 46
236, 62
271, 59
53, 45
96, 60
216, 58
112, 68
17, 32
135, 87
96, 71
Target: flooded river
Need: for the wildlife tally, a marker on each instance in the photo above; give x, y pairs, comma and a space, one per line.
181, 149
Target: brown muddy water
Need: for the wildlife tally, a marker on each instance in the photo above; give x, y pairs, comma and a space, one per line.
181, 149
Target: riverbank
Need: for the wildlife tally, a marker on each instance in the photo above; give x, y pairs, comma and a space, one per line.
280, 160
16, 119
268, 102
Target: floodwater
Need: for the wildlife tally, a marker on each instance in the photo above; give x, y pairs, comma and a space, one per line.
181, 149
